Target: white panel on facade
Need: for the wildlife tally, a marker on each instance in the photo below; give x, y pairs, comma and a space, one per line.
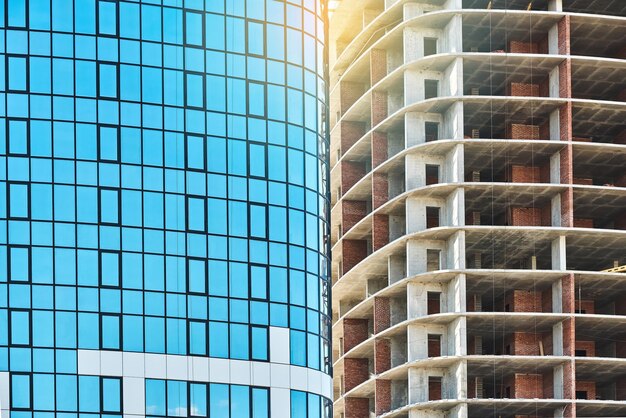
133, 364
198, 369
281, 402
5, 395
240, 372
111, 363
176, 367
156, 366
299, 378
279, 345
314, 381
261, 374
280, 375
89, 362
134, 396
219, 370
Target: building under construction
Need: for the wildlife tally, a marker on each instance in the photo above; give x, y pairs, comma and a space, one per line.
479, 208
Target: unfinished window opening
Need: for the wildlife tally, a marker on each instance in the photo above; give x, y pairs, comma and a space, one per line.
434, 302
580, 353
432, 174
432, 217
431, 89
433, 260
430, 46
507, 392
581, 394
434, 345
434, 388
432, 131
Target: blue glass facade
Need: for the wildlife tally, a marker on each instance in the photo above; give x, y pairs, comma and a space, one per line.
164, 168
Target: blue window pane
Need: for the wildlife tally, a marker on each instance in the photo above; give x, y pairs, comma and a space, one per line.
193, 28
111, 394
20, 393
198, 400
155, 397
108, 80
107, 22
240, 401
176, 398
89, 393
16, 13
260, 403
219, 401
20, 328
17, 73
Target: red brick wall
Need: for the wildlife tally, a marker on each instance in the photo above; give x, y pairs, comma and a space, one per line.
351, 173
588, 346
621, 96
546, 300
620, 181
548, 384
434, 390
525, 386
353, 252
548, 346
524, 301
522, 89
521, 131
583, 223
568, 294
621, 138
378, 65
382, 314
379, 107
589, 306
588, 386
379, 148
352, 211
567, 208
524, 344
620, 221
569, 380
350, 133
357, 408
380, 231
355, 331
582, 181
520, 47
523, 174
382, 356
380, 190
355, 372
383, 396
526, 217
564, 35
569, 337
620, 389
434, 347
350, 93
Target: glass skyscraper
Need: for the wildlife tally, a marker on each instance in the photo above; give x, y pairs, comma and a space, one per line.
163, 209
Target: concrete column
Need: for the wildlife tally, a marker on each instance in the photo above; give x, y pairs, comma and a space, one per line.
414, 129
397, 268
457, 337
559, 258
555, 125
557, 339
453, 33
558, 382
553, 40
453, 122
455, 165
455, 208
456, 294
413, 49
415, 215
418, 385
456, 252
557, 299
458, 381
452, 82
555, 5
556, 210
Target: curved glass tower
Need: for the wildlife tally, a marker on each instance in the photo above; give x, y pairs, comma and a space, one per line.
163, 240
